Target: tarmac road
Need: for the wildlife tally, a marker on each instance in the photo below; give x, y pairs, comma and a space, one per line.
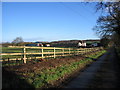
101, 74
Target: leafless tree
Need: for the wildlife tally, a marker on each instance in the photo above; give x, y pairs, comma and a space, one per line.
109, 23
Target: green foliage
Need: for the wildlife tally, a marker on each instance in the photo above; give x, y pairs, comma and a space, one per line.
38, 83
29, 80
95, 56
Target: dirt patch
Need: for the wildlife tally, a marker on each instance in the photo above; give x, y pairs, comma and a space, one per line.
19, 71
43, 64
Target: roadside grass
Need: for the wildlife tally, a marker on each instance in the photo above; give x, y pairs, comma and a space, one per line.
40, 79
46, 77
97, 54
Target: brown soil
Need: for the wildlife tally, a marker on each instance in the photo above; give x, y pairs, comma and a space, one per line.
43, 64
14, 72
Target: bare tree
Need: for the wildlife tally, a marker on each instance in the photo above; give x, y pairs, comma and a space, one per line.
109, 24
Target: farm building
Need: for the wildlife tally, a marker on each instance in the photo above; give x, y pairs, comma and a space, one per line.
75, 43
43, 44
96, 44
39, 44
93, 43
47, 44
68, 43
81, 44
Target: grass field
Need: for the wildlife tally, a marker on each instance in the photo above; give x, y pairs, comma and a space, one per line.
18, 59
20, 50
28, 50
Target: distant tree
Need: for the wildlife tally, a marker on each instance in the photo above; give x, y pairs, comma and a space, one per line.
17, 40
6, 44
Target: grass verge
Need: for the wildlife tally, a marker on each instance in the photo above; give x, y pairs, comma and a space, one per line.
48, 76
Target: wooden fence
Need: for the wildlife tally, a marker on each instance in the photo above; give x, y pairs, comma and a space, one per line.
54, 53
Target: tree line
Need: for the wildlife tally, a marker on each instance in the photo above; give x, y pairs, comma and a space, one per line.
18, 41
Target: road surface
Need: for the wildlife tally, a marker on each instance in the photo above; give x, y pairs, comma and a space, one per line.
104, 73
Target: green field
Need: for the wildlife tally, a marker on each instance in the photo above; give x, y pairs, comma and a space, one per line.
18, 59
20, 50
28, 50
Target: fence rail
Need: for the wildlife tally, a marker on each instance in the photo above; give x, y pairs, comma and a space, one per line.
54, 53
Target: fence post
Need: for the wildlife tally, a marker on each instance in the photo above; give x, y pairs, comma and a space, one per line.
54, 52
63, 51
8, 62
75, 51
78, 51
24, 51
86, 50
69, 50
42, 53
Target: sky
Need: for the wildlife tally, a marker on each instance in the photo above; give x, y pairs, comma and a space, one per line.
48, 21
